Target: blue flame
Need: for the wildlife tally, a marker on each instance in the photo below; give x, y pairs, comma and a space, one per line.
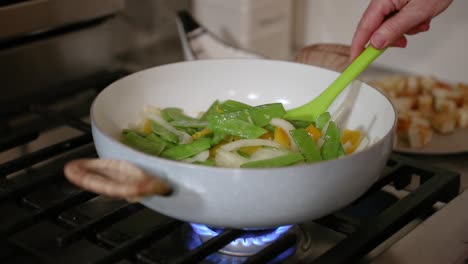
260, 240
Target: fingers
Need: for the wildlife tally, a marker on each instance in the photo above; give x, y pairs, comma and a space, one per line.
409, 17
400, 43
117, 179
423, 27
396, 26
371, 20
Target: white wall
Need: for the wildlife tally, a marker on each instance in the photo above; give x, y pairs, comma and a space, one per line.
443, 51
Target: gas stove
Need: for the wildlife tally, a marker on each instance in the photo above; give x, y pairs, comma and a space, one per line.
49, 220
44, 123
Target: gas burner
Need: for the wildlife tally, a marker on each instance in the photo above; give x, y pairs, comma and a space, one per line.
247, 245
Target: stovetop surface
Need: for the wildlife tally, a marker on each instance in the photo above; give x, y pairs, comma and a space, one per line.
46, 219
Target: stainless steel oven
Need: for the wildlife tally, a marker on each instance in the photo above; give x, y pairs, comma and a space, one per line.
46, 42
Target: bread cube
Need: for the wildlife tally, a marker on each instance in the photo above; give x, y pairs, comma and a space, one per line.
462, 117
443, 105
404, 104
419, 135
444, 123
427, 83
412, 86
425, 103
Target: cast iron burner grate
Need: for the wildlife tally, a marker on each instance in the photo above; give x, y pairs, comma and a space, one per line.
46, 219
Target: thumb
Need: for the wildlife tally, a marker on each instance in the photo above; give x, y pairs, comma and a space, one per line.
395, 27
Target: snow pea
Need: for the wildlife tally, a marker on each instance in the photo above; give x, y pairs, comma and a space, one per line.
331, 146
177, 114
235, 127
213, 109
300, 123
164, 133
281, 161
259, 115
306, 145
341, 151
184, 151
322, 120
232, 106
190, 123
154, 145
217, 138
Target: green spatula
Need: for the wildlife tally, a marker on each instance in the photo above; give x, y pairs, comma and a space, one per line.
320, 104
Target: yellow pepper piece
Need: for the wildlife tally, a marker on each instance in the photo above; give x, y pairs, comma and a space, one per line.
314, 132
147, 128
281, 137
199, 134
353, 137
249, 150
267, 135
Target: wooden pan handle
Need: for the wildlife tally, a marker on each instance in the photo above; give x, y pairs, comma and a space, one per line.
114, 178
331, 56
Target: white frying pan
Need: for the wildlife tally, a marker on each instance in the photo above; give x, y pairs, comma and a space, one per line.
245, 198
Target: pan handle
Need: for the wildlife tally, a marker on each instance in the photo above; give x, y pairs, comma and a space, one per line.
115, 178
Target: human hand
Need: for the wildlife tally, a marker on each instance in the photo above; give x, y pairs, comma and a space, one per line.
385, 22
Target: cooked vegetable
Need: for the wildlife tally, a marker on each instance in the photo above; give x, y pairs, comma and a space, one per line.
229, 159
156, 117
331, 146
286, 126
258, 115
232, 106
189, 123
322, 120
187, 150
177, 114
249, 143
163, 132
281, 161
353, 137
235, 127
202, 133
213, 109
306, 145
233, 134
281, 137
143, 144
314, 132
200, 157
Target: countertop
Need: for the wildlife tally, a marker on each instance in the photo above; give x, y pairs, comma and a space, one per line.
441, 239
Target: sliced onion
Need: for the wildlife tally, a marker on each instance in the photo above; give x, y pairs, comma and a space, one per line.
346, 105
184, 138
347, 145
200, 157
267, 153
250, 143
286, 126
320, 142
363, 144
376, 139
228, 159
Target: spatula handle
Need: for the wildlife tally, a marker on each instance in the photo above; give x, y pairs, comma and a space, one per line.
351, 73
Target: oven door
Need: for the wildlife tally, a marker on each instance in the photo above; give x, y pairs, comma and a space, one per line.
19, 17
